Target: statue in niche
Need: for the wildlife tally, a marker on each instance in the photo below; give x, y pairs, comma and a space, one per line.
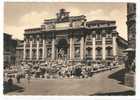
60, 53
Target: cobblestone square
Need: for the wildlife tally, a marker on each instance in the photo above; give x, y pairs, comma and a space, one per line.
99, 84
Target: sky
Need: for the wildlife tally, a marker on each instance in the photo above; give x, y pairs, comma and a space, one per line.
21, 15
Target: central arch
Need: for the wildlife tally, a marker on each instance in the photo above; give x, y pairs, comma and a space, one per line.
62, 47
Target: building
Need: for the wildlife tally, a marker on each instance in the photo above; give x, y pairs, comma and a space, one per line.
130, 51
72, 39
9, 49
131, 25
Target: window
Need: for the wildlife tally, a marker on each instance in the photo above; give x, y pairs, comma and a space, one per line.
77, 39
98, 51
108, 35
34, 53
98, 36
89, 37
109, 51
27, 53
40, 53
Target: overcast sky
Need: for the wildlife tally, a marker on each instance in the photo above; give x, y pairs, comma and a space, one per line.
19, 16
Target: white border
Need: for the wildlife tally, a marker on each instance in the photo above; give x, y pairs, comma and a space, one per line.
137, 97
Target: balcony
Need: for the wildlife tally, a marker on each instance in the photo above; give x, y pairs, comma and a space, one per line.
89, 43
108, 42
34, 44
98, 42
27, 58
89, 56
109, 57
40, 44
34, 58
27, 45
109, 39
98, 57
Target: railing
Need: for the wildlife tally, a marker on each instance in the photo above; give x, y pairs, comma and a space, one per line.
89, 43
40, 44
108, 39
34, 58
88, 56
27, 45
98, 57
98, 42
109, 56
108, 42
34, 44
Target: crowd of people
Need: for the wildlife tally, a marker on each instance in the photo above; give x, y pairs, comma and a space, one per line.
59, 70
55, 70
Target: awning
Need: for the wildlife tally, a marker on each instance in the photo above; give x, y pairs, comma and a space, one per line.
129, 50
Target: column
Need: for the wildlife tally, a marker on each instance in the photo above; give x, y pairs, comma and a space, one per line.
37, 49
30, 49
93, 47
44, 48
82, 47
114, 45
71, 48
103, 47
53, 49
24, 50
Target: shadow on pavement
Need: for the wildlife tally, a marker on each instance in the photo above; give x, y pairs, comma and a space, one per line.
12, 88
119, 76
123, 93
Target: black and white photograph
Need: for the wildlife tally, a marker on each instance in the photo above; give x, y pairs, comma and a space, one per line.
69, 48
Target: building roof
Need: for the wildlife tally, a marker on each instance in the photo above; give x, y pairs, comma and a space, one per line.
122, 41
7, 34
33, 29
100, 21
70, 18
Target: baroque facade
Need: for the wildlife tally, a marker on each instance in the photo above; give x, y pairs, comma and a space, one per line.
72, 39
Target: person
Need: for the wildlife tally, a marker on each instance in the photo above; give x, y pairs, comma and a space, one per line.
18, 78
28, 78
10, 81
111, 66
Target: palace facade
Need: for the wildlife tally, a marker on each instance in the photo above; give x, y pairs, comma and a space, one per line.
72, 39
